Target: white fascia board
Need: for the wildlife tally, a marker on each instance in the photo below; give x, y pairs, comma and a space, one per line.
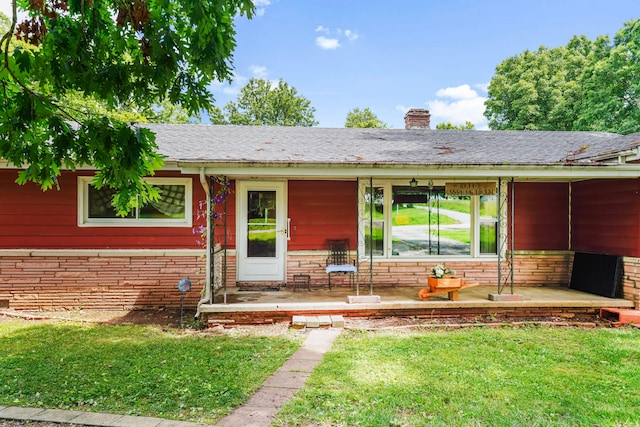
169, 165
563, 172
620, 157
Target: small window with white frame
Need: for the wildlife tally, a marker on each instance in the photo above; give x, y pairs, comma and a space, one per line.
172, 209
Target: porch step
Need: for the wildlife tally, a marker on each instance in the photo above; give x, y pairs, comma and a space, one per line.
620, 316
302, 322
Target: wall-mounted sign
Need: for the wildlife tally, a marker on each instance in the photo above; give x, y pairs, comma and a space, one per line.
470, 188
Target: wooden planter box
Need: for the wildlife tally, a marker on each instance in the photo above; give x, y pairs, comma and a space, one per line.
444, 283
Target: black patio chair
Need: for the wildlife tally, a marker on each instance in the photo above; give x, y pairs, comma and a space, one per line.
338, 261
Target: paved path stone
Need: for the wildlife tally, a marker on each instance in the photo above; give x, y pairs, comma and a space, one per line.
260, 410
87, 418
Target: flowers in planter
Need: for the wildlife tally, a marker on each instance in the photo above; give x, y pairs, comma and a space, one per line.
441, 270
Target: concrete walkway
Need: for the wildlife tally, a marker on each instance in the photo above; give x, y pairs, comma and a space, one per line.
283, 384
258, 411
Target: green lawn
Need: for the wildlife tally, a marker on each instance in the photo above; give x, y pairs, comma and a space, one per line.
418, 216
135, 370
531, 376
463, 236
528, 376
460, 205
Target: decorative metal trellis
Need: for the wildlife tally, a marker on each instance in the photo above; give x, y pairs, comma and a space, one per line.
214, 270
505, 234
365, 198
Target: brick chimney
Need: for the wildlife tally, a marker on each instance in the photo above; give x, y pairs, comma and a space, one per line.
417, 118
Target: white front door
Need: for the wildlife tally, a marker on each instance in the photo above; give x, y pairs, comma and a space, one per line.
261, 231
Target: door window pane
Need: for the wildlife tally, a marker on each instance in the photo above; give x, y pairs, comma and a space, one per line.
374, 215
261, 224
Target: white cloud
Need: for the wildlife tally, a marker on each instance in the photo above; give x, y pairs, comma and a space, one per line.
458, 92
332, 38
233, 88
259, 71
261, 6
239, 81
463, 104
482, 86
351, 35
327, 43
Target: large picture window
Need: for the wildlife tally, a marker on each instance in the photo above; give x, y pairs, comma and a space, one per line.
173, 208
403, 221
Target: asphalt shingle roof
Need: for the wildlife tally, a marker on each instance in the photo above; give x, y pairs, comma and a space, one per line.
309, 145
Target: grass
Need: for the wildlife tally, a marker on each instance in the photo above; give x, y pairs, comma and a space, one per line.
135, 370
417, 216
531, 376
460, 205
459, 235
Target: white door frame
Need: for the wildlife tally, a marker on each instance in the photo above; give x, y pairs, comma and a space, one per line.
256, 269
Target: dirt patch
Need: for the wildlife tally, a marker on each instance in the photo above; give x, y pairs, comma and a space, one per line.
168, 318
399, 324
163, 317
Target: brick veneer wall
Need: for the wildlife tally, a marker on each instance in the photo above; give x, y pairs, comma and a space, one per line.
109, 279
531, 268
631, 280
542, 268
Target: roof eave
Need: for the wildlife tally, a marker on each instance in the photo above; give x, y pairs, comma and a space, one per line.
568, 171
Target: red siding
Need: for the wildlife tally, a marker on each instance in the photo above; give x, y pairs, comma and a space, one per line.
321, 210
606, 217
229, 222
31, 218
541, 214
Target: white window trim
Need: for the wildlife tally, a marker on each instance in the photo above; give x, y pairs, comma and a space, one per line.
387, 186
85, 221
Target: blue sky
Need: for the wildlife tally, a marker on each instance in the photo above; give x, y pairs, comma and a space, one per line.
393, 55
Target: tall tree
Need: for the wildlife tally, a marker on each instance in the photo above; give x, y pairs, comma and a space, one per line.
544, 89
364, 118
612, 85
263, 103
448, 125
119, 53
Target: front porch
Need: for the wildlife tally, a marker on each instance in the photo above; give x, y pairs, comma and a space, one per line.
253, 307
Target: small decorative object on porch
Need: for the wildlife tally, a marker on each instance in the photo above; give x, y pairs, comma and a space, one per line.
441, 270
441, 278
441, 281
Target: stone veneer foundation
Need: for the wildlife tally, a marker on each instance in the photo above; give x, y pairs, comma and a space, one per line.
98, 279
143, 279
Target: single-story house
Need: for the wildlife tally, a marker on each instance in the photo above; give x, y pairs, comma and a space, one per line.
502, 208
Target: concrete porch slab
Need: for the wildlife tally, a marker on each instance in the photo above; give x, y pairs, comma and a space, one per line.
505, 297
363, 299
248, 307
